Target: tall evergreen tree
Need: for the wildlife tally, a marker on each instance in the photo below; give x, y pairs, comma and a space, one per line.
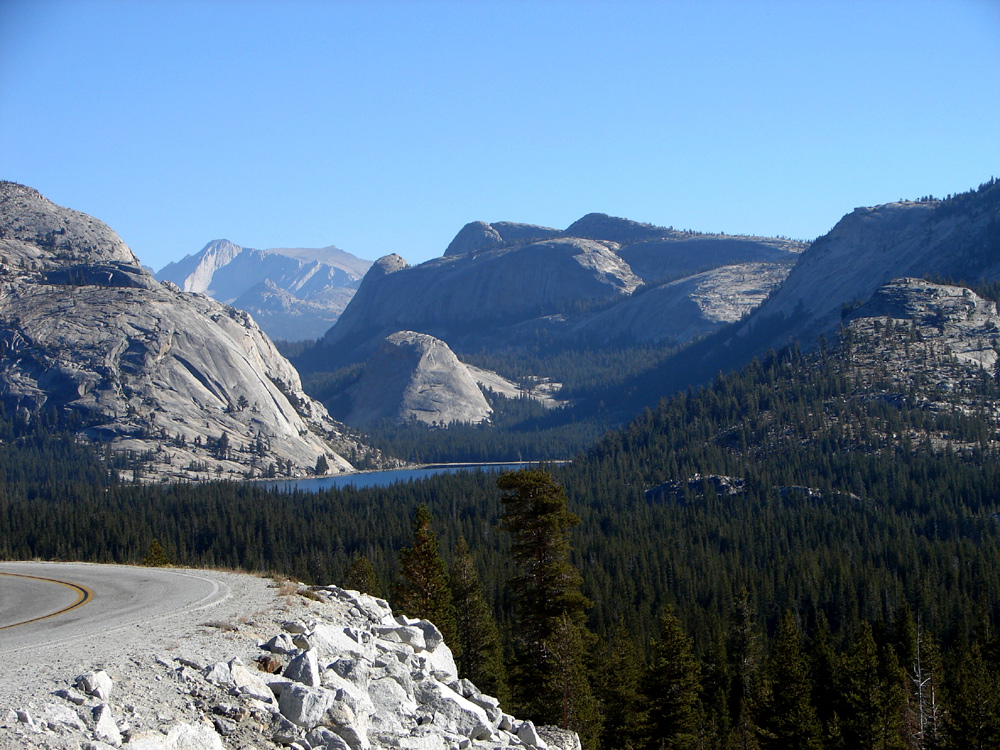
790, 718
671, 687
745, 662
873, 696
567, 680
824, 675
423, 589
973, 718
619, 691
548, 605
480, 647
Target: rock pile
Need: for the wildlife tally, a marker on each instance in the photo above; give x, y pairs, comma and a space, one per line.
345, 675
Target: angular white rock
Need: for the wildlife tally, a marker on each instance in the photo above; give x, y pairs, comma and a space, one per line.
306, 706
60, 717
303, 668
529, 735
249, 684
559, 738
452, 712
99, 684
105, 728
179, 737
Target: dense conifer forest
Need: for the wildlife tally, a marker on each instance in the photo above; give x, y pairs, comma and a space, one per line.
802, 554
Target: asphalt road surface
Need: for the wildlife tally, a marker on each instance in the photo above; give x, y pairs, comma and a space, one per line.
51, 604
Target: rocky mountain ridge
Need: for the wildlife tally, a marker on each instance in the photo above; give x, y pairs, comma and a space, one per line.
499, 282
191, 388
957, 238
315, 284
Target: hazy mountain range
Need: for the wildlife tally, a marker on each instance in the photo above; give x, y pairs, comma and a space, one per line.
86, 330
293, 293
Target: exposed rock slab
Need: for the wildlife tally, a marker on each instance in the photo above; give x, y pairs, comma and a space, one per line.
502, 281
416, 377
872, 246
914, 330
192, 385
689, 308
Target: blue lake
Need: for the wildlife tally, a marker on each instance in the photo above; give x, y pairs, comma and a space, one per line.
387, 478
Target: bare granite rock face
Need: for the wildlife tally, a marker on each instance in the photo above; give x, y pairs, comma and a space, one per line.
190, 385
477, 236
413, 376
293, 293
503, 282
869, 247
940, 336
688, 308
473, 290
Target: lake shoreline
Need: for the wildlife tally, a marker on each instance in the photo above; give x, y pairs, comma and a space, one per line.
387, 477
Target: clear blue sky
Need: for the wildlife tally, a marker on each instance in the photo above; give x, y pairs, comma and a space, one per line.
385, 126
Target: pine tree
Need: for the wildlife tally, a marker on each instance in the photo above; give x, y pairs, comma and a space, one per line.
568, 681
156, 557
549, 627
873, 696
361, 576
322, 465
671, 688
480, 647
423, 589
745, 658
973, 718
824, 672
790, 718
620, 691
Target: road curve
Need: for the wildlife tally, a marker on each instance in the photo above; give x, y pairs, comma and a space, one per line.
51, 604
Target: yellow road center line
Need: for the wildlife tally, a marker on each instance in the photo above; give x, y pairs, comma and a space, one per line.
83, 596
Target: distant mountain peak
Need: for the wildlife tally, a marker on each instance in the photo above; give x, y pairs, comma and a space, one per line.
478, 236
596, 226
319, 283
388, 264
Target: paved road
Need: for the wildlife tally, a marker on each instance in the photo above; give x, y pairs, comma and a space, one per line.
48, 604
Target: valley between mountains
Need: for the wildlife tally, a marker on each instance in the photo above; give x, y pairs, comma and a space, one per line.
780, 526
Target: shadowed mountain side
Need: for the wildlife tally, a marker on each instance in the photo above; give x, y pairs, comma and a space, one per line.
469, 294
958, 238
500, 282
